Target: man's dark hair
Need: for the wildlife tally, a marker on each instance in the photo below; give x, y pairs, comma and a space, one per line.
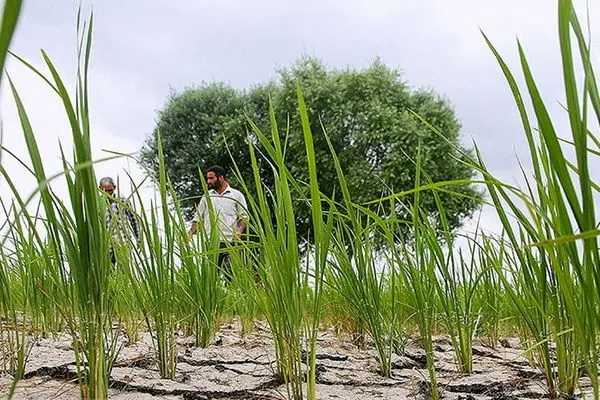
218, 171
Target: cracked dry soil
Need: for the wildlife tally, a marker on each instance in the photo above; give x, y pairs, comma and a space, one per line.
243, 368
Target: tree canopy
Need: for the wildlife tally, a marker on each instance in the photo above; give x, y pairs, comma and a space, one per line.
367, 114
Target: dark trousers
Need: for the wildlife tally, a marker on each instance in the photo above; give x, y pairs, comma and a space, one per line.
225, 260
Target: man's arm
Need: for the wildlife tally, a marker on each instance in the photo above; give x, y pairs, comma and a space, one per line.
193, 229
199, 212
241, 227
242, 210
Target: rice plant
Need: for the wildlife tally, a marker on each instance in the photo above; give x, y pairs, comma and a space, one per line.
201, 278
490, 298
244, 288
77, 233
11, 12
357, 279
283, 302
555, 237
456, 281
418, 268
13, 328
154, 277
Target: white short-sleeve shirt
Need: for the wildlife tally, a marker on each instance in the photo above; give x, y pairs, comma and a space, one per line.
229, 206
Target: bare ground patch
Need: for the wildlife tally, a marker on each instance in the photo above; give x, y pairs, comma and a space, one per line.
244, 368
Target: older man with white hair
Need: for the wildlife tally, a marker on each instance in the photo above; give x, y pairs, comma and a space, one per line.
117, 212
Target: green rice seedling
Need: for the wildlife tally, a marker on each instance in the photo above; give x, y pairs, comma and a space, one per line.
23, 308
279, 270
201, 292
243, 289
13, 325
356, 277
422, 262
339, 314
11, 12
13, 330
153, 275
322, 235
534, 293
125, 275
283, 301
393, 294
6, 307
28, 312
200, 279
36, 259
418, 267
515, 286
454, 279
559, 211
290, 293
36, 269
127, 311
553, 279
129, 316
489, 297
533, 288
78, 232
456, 282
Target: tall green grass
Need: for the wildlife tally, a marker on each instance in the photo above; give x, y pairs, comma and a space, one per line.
203, 282
77, 234
13, 328
283, 283
490, 298
457, 280
554, 236
419, 271
357, 276
11, 12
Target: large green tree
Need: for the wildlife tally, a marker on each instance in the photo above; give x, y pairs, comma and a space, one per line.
366, 114
200, 127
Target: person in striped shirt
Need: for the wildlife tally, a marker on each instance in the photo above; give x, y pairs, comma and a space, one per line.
120, 219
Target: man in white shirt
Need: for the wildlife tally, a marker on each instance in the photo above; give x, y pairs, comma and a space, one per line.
230, 208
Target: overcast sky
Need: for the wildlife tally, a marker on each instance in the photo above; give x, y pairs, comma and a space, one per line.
143, 48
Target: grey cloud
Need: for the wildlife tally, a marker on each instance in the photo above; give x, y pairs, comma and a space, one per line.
143, 48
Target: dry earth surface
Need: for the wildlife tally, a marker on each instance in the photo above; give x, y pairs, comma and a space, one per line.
243, 368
